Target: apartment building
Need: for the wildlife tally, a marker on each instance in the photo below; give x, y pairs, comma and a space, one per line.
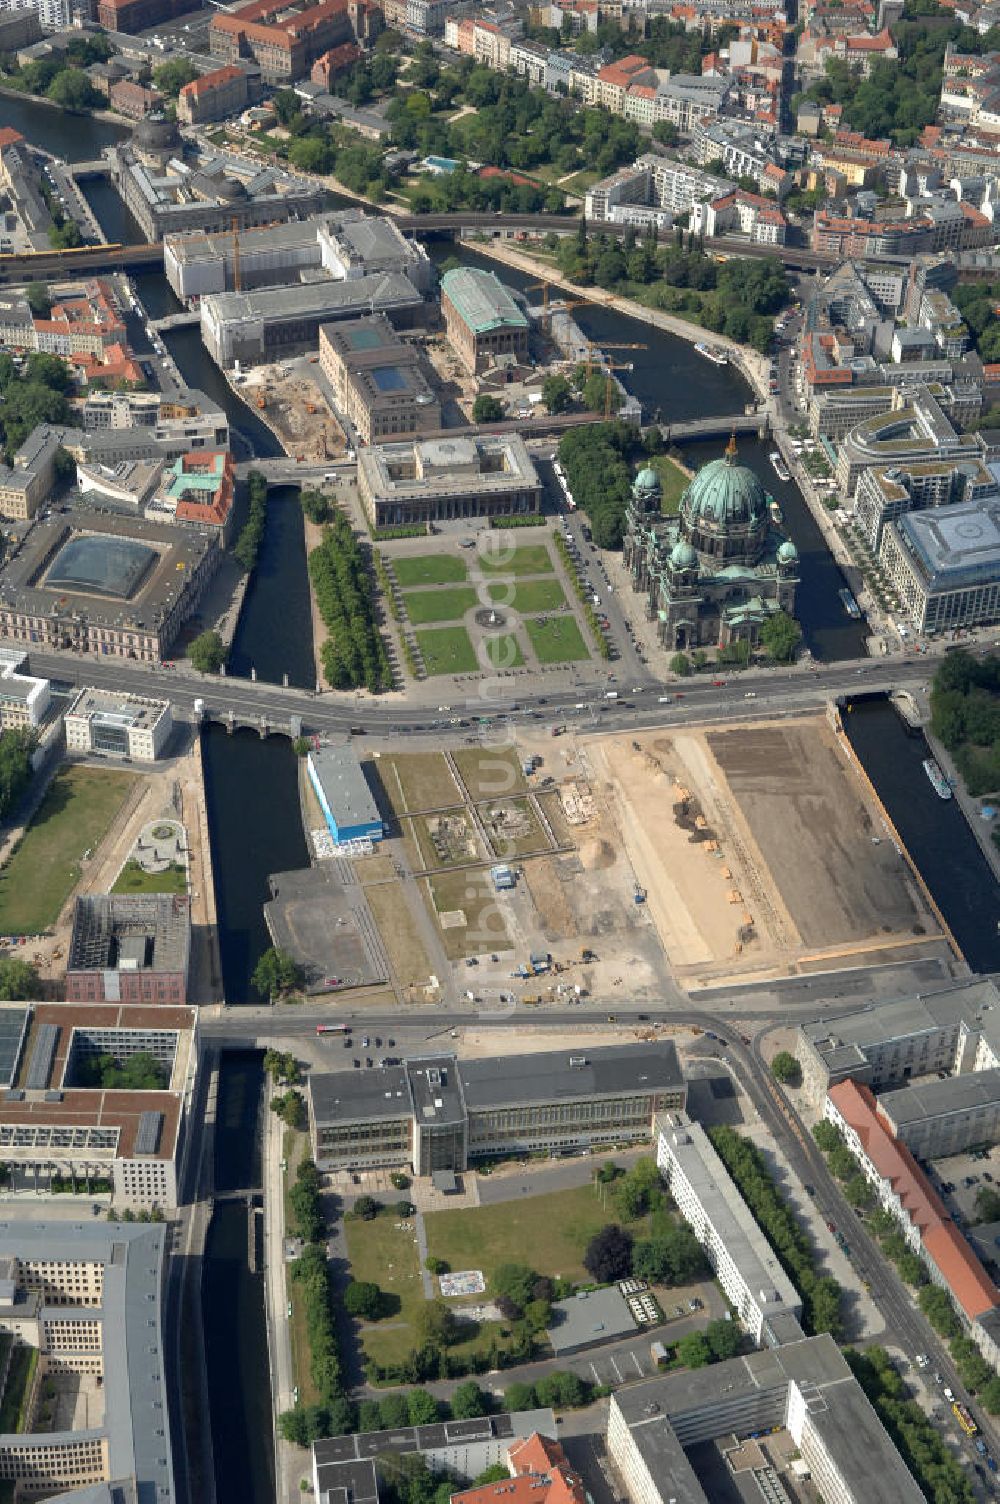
656, 183
805, 1388
132, 948
937, 1118
766, 1301
86, 1296
213, 96
915, 430
381, 384
740, 213
118, 725
438, 1114
432, 480
26, 483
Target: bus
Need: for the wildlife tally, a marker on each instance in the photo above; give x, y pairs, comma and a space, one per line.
333, 1028
965, 1419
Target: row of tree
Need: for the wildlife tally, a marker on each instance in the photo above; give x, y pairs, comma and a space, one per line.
16, 748
745, 1163
965, 714
354, 653
248, 545
598, 474
938, 1472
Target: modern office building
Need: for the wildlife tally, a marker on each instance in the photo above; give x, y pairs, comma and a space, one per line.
130, 948
885, 494
805, 1388
338, 780
459, 1448
945, 565
913, 429
886, 1045
172, 426
436, 1113
279, 321
87, 1298
284, 39
481, 318
70, 1118
24, 699
26, 484
117, 724
746, 1266
381, 384
430, 480
171, 186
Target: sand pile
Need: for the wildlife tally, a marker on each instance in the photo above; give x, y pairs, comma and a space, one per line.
596, 855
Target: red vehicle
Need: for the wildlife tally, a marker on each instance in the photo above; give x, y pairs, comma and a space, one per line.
719, 683
332, 1028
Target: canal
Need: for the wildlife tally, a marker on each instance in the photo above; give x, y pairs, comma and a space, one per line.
233, 1296
934, 831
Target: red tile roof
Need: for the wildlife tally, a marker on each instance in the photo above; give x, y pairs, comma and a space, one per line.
541, 1475
9, 136
210, 81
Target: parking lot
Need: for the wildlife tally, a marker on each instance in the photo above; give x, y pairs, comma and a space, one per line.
961, 1177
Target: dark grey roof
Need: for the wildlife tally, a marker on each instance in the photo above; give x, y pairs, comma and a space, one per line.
447, 1433
347, 1095
505, 1079
152, 931
13, 1032
435, 1083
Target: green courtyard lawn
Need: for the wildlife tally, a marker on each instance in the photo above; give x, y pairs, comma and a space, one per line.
449, 604
556, 639
504, 651
132, 879
527, 558
428, 569
447, 650
528, 596
674, 483
549, 1233
73, 818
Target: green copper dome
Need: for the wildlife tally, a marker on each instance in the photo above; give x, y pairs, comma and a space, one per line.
682, 556
647, 479
787, 552
724, 494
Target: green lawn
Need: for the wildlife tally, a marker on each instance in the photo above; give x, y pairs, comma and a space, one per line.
490, 772
528, 558
428, 569
550, 1233
73, 818
449, 604
447, 650
673, 481
529, 596
504, 651
132, 879
556, 639
580, 182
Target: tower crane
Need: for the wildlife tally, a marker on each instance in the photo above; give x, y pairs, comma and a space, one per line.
594, 349
565, 304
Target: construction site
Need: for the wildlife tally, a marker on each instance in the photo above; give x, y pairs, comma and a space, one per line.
295, 410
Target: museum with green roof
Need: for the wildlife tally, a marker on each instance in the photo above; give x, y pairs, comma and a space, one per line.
713, 574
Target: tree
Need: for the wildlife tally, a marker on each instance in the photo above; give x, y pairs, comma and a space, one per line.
826, 1135
673, 1257
987, 1204
857, 1191
938, 1309
363, 1298
366, 1208
557, 394
497, 1473
37, 294
290, 1107
514, 1282
171, 77
207, 652
693, 1350
73, 90
421, 1408
434, 1265
304, 1425
781, 635
519, 1396
434, 1325
276, 974
785, 1067
560, 1390
281, 1067
609, 1254
841, 1162
680, 664
487, 409
468, 1401
990, 1396
723, 1338
19, 980
665, 132
910, 1268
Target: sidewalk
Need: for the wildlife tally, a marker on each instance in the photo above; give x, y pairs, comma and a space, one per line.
286, 1457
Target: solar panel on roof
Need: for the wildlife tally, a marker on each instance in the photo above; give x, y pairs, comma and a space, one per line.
13, 1022
42, 1055
147, 1138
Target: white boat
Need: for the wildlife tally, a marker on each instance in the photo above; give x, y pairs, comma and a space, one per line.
710, 352
938, 781
778, 465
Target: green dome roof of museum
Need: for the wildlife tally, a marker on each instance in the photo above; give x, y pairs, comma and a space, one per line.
724, 494
787, 552
647, 479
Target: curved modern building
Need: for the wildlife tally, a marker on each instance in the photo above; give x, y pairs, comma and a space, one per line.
714, 573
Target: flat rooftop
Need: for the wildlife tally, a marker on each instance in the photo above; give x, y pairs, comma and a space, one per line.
341, 776
436, 1437
324, 296
926, 1100
360, 1096
123, 709
49, 1038
134, 932
435, 1083
590, 1317
954, 546
196, 246
503, 1080
879, 1024
459, 466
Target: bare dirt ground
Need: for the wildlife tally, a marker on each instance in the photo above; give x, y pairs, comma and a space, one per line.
755, 847
288, 399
